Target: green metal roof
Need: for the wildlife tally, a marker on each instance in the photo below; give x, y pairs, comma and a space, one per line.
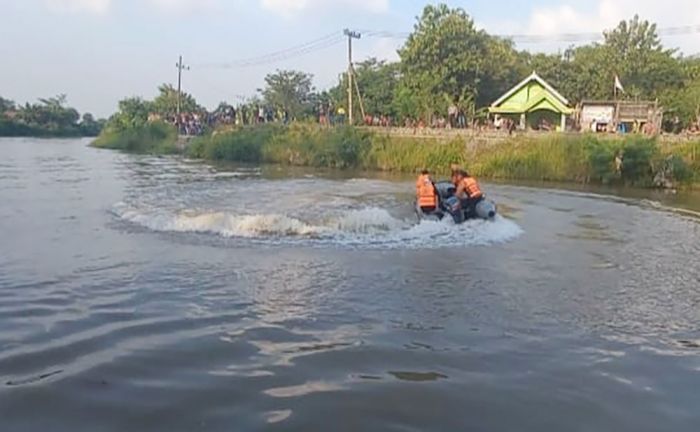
531, 94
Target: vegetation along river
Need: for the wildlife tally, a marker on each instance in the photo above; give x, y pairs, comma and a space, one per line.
146, 293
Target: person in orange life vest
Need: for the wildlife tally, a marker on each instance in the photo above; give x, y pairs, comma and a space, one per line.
426, 194
468, 192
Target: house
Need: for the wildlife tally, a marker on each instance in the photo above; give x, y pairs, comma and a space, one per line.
619, 115
533, 104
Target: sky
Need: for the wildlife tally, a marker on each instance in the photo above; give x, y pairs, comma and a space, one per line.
100, 51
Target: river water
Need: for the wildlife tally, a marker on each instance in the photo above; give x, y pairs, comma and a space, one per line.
144, 293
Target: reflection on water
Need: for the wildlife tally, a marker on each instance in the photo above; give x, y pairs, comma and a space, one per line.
589, 228
144, 293
418, 376
672, 200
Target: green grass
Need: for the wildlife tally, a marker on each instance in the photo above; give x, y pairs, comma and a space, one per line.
153, 138
551, 157
297, 144
688, 152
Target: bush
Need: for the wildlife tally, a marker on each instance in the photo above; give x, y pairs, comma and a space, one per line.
673, 171
297, 144
156, 138
240, 145
346, 147
601, 159
639, 154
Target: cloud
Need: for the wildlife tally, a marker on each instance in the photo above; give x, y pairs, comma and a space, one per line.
101, 7
293, 7
382, 49
98, 7
605, 14
184, 6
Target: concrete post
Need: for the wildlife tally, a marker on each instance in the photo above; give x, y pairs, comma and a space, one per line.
563, 123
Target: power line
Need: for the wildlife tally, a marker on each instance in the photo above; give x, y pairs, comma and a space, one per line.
285, 54
294, 54
548, 38
335, 38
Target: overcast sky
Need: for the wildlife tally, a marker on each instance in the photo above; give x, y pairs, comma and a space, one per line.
99, 51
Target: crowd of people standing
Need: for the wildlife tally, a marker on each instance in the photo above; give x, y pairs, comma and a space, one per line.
196, 123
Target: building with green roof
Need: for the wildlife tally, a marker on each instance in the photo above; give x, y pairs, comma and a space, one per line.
534, 104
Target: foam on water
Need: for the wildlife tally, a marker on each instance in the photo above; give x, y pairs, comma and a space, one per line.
219, 223
369, 227
367, 221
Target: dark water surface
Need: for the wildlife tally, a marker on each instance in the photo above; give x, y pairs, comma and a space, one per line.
141, 293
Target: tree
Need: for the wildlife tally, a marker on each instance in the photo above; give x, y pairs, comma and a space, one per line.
6, 105
133, 113
633, 51
317, 102
288, 90
165, 104
49, 117
590, 74
377, 81
684, 102
89, 126
405, 103
558, 70
50, 113
501, 68
445, 58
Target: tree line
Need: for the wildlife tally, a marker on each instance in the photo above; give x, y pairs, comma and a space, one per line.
447, 61
50, 117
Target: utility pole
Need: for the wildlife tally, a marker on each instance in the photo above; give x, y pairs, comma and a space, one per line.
351, 35
180, 67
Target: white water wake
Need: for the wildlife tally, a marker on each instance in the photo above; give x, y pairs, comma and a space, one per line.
368, 227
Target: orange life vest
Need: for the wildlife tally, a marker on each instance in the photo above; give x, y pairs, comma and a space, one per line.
425, 192
471, 187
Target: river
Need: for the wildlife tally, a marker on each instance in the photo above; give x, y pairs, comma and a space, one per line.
146, 293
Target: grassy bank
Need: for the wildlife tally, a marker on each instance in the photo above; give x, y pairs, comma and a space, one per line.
154, 138
550, 157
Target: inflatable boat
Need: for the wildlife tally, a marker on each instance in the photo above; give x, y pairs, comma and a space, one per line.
450, 205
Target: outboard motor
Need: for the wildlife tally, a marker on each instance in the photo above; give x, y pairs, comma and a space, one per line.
486, 209
454, 208
445, 189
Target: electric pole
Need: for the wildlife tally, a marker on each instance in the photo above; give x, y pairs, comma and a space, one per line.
351, 35
180, 67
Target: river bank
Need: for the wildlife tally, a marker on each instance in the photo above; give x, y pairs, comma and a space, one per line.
580, 158
19, 130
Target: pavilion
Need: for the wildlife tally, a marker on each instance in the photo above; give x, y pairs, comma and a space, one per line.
535, 103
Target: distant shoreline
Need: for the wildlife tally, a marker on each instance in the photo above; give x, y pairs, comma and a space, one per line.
56, 136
